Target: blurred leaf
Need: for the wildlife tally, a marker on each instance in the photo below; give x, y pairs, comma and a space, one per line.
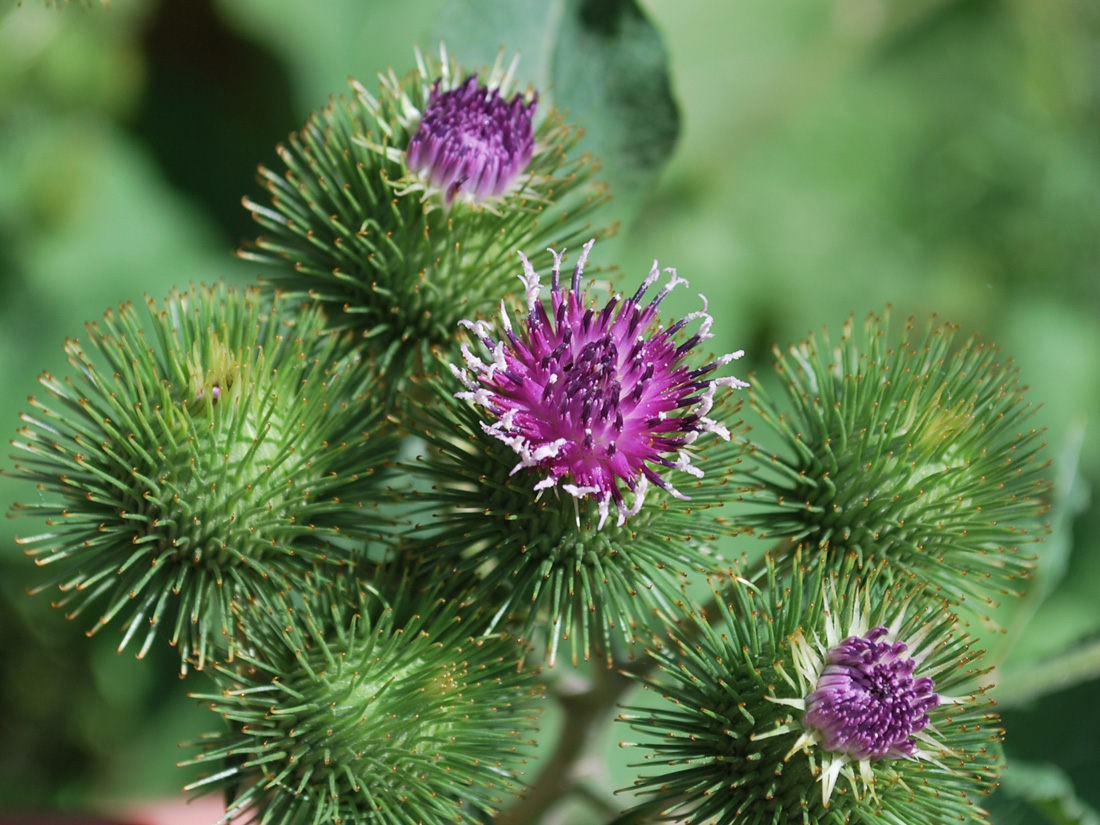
324, 41
1026, 683
1029, 790
1072, 497
1022, 646
601, 60
1063, 729
529, 29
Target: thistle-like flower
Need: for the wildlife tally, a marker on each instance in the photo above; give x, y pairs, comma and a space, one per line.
824, 700
920, 454
585, 410
346, 709
400, 212
198, 461
595, 400
471, 143
867, 703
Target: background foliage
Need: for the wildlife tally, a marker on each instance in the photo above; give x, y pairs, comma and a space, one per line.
834, 156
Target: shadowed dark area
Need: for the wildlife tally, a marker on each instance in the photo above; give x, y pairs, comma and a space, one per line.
215, 104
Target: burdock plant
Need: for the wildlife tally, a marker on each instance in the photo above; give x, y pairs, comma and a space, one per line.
372, 504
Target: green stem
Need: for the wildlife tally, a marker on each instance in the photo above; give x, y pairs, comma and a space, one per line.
583, 713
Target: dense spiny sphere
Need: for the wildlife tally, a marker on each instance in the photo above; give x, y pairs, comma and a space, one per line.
198, 460
351, 710
921, 453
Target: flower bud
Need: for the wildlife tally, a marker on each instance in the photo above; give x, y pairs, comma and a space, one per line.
920, 454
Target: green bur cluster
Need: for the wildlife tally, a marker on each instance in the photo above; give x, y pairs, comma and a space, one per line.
294, 489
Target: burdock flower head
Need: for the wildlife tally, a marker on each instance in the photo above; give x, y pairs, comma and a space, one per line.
597, 400
471, 143
347, 708
570, 492
197, 459
827, 698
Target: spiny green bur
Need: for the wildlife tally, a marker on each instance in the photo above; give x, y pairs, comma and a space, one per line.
920, 454
359, 712
198, 461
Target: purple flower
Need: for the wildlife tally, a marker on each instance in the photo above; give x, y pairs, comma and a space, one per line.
471, 143
597, 400
867, 704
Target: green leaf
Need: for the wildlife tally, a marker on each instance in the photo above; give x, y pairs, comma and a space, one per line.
1042, 627
1027, 682
1071, 498
601, 60
1040, 789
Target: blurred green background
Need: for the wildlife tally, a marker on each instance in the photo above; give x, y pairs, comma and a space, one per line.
836, 156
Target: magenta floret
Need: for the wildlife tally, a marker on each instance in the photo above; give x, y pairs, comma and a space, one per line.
867, 703
597, 400
471, 143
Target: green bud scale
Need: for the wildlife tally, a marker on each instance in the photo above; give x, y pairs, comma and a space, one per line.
920, 454
785, 705
348, 710
199, 460
384, 250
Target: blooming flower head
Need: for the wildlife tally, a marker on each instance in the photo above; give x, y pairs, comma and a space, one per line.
868, 693
598, 400
471, 142
829, 696
867, 703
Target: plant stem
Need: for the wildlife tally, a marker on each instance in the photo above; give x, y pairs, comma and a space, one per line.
583, 713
